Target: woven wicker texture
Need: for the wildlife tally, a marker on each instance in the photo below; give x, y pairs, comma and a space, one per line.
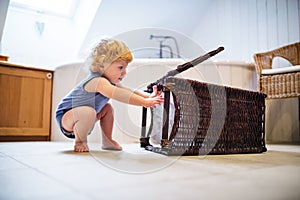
279, 85
212, 119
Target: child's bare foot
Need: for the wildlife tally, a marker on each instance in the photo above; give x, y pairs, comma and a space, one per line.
111, 145
81, 147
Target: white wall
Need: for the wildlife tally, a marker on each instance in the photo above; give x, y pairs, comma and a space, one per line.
243, 27
59, 42
3, 12
249, 26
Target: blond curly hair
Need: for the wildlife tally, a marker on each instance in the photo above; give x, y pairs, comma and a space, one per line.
108, 51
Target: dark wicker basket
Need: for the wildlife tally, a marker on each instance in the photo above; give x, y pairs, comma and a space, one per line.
212, 119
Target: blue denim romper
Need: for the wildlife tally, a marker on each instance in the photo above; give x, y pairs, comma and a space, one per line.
80, 97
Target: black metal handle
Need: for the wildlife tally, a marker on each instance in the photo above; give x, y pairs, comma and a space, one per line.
181, 68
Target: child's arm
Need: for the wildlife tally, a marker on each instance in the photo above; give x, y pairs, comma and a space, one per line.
125, 95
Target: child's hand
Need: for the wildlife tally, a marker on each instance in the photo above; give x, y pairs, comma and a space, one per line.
155, 92
151, 102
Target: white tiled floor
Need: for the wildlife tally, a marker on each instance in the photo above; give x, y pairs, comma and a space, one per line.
50, 170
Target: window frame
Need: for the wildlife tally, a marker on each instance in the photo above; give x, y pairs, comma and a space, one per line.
36, 8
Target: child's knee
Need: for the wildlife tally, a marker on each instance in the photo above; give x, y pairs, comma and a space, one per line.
108, 107
106, 110
87, 113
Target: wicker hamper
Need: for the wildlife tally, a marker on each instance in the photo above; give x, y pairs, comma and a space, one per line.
212, 119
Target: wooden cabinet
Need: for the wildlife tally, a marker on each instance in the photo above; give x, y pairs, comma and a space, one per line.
25, 103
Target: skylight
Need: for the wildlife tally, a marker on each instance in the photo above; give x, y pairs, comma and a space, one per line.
63, 8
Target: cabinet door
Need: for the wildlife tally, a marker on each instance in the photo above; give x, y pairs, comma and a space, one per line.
25, 102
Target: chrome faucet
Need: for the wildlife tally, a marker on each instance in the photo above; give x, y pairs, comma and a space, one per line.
161, 40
